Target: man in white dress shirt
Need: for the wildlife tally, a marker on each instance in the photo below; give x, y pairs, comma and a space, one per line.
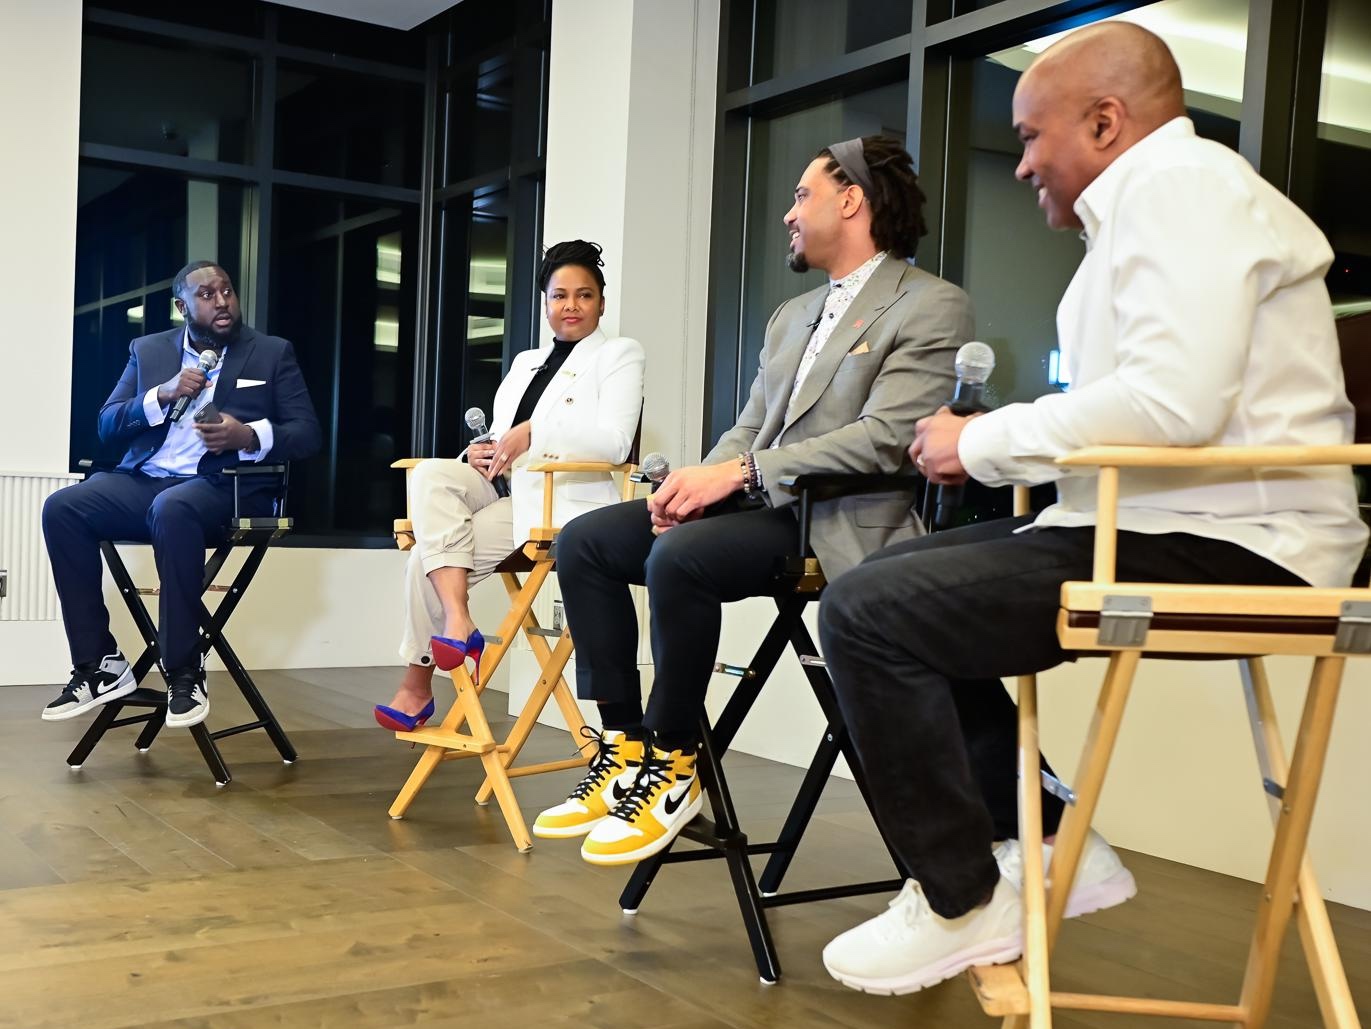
169, 489
1198, 316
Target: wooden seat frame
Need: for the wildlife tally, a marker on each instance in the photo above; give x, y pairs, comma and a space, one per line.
1106, 618
465, 731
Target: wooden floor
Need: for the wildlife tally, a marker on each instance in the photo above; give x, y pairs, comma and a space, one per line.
134, 893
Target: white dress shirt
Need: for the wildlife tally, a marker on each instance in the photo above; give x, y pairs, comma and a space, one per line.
841, 293
181, 451
1198, 316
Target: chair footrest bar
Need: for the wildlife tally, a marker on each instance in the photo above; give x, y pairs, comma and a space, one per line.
546, 766
133, 720
234, 730
832, 893
1001, 991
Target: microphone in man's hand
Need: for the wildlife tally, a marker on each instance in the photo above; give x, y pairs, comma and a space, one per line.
208, 360
975, 362
476, 422
654, 469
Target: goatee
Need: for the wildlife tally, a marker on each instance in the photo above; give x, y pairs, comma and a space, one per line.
795, 261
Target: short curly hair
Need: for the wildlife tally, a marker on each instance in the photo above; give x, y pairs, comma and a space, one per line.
897, 202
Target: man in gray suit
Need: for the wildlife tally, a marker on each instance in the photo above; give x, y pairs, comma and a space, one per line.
846, 372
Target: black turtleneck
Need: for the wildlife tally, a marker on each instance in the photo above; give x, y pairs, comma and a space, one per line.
561, 350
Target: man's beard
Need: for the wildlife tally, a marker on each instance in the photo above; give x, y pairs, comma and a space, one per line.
209, 336
795, 261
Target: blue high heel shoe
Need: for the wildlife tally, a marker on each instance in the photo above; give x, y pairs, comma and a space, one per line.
449, 653
398, 721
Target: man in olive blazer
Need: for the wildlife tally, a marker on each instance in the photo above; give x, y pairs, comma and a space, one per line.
846, 371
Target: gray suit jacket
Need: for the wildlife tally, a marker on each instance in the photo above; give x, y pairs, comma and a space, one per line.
887, 365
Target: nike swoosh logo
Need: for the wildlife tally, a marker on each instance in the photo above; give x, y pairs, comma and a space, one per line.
619, 792
674, 805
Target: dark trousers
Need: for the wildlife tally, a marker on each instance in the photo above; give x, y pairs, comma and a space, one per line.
917, 638
179, 517
690, 571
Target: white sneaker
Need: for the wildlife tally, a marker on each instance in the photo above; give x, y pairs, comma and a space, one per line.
910, 946
1101, 879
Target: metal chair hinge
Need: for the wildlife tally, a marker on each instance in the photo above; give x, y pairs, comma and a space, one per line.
1058, 789
741, 671
1354, 628
1124, 621
812, 661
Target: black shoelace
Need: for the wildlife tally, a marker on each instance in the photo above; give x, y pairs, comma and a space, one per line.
600, 767
655, 772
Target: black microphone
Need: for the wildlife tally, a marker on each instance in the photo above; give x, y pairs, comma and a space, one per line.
476, 422
208, 360
653, 469
975, 362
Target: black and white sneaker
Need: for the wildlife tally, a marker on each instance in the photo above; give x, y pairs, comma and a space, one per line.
92, 683
187, 699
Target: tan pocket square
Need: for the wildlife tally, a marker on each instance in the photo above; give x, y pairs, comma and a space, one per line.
860, 348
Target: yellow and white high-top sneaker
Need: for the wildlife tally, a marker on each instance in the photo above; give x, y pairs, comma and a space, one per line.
664, 798
609, 780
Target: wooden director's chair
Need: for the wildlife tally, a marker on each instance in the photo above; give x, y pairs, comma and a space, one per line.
535, 560
799, 582
1130, 621
255, 533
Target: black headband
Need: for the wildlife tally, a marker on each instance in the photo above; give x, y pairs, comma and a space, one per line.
851, 158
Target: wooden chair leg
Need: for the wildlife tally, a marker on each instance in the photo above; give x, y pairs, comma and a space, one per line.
430, 759
1316, 931
1099, 747
470, 702
1292, 830
1035, 957
552, 663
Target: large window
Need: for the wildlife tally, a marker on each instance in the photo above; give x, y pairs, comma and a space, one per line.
1286, 84
360, 184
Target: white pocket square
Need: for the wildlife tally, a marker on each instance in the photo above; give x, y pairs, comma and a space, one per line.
245, 383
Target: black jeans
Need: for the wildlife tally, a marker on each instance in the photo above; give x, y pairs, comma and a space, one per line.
917, 638
690, 571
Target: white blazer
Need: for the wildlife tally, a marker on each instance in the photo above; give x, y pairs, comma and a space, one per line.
588, 412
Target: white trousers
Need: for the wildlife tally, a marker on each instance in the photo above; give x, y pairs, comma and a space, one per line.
459, 522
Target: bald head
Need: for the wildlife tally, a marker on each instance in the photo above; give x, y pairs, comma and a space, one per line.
1086, 100
1113, 59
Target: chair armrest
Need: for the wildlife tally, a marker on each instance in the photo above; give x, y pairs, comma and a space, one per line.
830, 485
551, 467
256, 469
90, 466
1217, 457
408, 462
816, 486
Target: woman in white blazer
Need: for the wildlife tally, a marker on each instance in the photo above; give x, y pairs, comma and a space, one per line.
577, 398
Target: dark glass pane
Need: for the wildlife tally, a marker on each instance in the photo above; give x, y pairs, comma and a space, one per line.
348, 126
350, 37
477, 30
481, 106
781, 149
134, 231
475, 311
791, 35
164, 96
1342, 153
1016, 268
343, 284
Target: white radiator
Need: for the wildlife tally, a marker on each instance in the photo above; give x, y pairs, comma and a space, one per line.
29, 593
